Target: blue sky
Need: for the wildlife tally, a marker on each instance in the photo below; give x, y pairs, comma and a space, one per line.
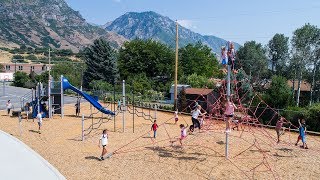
235, 20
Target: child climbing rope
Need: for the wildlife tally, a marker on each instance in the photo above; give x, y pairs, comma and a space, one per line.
176, 118
231, 56
279, 128
224, 59
229, 113
103, 141
183, 134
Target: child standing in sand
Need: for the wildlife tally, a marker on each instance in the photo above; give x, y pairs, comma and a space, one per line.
302, 133
176, 118
9, 106
154, 128
39, 118
103, 141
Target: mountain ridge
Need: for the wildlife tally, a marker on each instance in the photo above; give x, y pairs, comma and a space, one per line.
151, 25
42, 23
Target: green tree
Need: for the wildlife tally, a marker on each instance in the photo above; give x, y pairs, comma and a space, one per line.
278, 49
140, 82
72, 71
20, 78
101, 62
199, 59
197, 81
148, 56
278, 95
253, 59
304, 45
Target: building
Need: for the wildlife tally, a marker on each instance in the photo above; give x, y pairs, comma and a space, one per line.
25, 67
205, 97
179, 88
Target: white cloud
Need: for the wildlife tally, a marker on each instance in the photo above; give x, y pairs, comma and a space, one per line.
117, 1
187, 23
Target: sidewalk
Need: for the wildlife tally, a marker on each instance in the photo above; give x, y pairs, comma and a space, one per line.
18, 161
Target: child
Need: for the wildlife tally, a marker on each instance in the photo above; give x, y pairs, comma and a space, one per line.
39, 118
183, 133
195, 114
279, 128
9, 106
77, 105
229, 113
302, 133
154, 128
27, 110
103, 141
224, 58
231, 56
176, 117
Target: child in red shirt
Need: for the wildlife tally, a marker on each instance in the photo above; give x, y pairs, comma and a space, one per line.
154, 128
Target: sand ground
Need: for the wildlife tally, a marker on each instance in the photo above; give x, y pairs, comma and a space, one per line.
253, 152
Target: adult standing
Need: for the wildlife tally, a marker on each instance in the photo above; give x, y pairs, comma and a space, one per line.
195, 114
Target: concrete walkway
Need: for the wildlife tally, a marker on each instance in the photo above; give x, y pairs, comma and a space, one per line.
18, 161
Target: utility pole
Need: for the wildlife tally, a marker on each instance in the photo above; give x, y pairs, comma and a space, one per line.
176, 68
49, 87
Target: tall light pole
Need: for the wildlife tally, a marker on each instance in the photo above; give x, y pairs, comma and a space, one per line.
176, 68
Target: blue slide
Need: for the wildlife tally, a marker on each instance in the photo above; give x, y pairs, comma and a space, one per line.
66, 85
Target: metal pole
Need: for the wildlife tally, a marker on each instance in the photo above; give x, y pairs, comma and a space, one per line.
38, 96
62, 100
49, 88
114, 106
124, 104
91, 116
155, 111
176, 68
4, 88
82, 125
228, 99
133, 110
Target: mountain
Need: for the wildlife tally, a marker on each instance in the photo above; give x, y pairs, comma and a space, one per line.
151, 25
43, 23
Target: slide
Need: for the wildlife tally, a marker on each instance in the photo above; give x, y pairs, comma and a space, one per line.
66, 85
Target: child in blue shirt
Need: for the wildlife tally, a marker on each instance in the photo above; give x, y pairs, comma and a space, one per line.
302, 133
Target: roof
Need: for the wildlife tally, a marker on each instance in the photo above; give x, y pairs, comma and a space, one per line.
18, 161
305, 86
199, 91
179, 87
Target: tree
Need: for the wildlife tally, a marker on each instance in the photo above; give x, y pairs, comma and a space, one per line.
253, 60
304, 44
197, 81
100, 59
182, 100
148, 56
71, 70
278, 95
20, 78
199, 59
279, 52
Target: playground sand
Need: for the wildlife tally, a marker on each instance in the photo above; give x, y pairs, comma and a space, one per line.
253, 152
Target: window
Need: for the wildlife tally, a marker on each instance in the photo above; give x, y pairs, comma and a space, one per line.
32, 68
20, 68
8, 67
